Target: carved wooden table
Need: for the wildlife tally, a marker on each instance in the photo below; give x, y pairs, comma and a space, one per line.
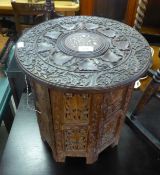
82, 71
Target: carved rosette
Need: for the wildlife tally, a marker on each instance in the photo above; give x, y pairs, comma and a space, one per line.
87, 66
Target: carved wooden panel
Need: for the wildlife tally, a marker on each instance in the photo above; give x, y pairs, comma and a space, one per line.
44, 114
75, 139
57, 116
108, 133
80, 124
76, 108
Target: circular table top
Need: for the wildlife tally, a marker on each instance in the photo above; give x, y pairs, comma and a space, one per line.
85, 53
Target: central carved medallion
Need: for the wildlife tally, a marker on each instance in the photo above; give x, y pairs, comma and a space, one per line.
83, 44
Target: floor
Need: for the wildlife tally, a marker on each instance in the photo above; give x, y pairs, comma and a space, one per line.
137, 157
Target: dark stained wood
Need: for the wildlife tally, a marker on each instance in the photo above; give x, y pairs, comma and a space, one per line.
105, 70
151, 18
152, 15
106, 8
114, 9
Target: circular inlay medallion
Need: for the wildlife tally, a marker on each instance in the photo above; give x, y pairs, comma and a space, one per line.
83, 44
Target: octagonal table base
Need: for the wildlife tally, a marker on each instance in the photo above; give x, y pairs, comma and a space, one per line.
80, 124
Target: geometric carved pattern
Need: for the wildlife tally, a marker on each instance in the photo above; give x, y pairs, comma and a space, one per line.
115, 96
76, 108
114, 107
80, 124
75, 139
108, 133
113, 102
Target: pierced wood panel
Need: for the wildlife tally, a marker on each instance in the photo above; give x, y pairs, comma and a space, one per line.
80, 124
76, 108
75, 139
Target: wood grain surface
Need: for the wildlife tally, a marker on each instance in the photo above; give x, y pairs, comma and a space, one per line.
79, 123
